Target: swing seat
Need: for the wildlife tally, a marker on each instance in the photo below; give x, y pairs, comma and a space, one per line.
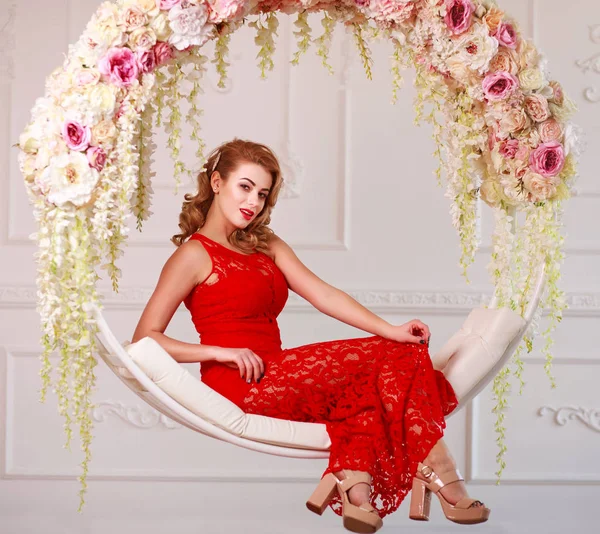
469, 360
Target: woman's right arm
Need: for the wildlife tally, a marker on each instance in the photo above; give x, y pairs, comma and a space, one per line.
189, 265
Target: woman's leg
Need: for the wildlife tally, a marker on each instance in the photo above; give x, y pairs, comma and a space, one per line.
382, 402
441, 461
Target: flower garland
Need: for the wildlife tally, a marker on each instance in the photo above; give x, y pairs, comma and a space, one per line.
501, 129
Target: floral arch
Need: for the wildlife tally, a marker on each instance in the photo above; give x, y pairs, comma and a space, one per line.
500, 124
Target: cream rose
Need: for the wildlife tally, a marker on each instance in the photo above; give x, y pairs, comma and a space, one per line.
537, 107
143, 38
527, 54
531, 79
149, 7
104, 133
539, 187
160, 26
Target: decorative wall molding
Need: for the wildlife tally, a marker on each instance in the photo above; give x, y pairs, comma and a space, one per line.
7, 40
590, 417
592, 63
145, 418
580, 304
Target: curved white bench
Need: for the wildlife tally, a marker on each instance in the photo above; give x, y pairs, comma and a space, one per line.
469, 360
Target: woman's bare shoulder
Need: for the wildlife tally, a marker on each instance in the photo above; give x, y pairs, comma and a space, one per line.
192, 257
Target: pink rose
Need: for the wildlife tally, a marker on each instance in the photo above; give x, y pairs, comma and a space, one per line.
523, 153
499, 85
459, 14
167, 4
120, 66
163, 52
146, 60
96, 157
506, 35
550, 130
76, 135
547, 159
509, 148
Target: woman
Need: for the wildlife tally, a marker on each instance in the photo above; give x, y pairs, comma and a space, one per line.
381, 401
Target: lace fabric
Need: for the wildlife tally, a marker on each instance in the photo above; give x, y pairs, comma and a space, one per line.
382, 402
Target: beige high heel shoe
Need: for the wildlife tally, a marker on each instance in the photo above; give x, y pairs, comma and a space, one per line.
363, 519
427, 481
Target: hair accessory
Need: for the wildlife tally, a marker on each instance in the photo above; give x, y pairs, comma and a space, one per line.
216, 162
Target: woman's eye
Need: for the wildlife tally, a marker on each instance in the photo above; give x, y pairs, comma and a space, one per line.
245, 187
263, 195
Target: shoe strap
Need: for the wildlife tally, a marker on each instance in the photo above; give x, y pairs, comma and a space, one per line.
353, 478
367, 507
436, 482
466, 503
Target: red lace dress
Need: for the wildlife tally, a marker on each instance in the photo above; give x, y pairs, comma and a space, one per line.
382, 402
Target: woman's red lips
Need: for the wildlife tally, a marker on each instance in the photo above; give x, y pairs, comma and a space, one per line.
247, 214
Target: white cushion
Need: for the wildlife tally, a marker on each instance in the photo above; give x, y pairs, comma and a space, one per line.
471, 355
209, 405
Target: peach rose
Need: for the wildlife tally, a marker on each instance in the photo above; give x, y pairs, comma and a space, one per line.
133, 18
550, 130
505, 60
540, 187
537, 107
514, 120
492, 19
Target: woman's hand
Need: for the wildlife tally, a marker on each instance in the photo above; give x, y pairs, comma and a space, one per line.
414, 331
250, 365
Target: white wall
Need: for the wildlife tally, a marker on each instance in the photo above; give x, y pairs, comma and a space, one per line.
366, 215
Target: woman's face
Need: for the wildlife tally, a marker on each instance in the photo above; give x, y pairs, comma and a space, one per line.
243, 195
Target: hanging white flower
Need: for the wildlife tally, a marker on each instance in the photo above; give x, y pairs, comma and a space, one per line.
189, 25
68, 180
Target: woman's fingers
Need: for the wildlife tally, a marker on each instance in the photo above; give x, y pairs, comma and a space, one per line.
255, 360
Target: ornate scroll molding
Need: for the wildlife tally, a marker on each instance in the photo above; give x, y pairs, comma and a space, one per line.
134, 415
580, 304
589, 417
591, 94
8, 16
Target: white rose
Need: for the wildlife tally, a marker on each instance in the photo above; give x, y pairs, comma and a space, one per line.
68, 179
476, 49
189, 26
531, 79
27, 166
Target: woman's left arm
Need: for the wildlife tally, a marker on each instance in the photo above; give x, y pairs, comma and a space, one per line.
336, 303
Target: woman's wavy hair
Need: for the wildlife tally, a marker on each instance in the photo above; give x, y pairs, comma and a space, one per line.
225, 159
